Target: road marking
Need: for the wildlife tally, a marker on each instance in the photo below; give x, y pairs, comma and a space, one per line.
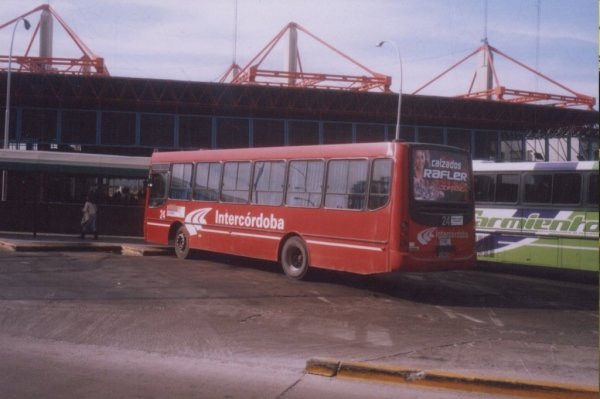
323, 299
447, 312
453, 315
473, 319
497, 322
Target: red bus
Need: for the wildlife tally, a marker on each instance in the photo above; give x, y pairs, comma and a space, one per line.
360, 208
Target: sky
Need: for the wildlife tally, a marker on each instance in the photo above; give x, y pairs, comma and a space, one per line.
193, 40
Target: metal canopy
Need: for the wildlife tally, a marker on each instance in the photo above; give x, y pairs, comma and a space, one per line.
74, 163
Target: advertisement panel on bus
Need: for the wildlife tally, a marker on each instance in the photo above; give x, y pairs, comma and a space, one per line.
440, 175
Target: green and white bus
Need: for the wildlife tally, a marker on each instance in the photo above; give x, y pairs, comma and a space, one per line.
538, 213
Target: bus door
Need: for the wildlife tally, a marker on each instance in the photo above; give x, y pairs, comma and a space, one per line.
156, 229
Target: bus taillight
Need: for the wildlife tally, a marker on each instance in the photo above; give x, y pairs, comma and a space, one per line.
404, 235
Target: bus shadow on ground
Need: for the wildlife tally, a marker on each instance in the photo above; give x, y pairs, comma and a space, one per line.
473, 288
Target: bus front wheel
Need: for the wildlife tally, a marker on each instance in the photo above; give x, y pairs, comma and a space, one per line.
182, 243
294, 258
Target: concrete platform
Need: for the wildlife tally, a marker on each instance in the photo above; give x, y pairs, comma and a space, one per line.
130, 246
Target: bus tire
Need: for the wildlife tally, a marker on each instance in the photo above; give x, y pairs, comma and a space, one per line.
182, 243
294, 258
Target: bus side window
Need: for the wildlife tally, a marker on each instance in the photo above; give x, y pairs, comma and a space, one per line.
158, 189
267, 188
507, 188
538, 188
346, 184
485, 188
305, 183
592, 196
181, 182
381, 177
566, 188
236, 182
206, 184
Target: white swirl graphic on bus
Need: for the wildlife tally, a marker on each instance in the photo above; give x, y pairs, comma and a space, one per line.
194, 220
424, 236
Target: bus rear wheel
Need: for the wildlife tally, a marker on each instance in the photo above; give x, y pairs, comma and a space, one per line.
182, 243
294, 258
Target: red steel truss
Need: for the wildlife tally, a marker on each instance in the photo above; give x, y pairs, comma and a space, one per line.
253, 74
88, 64
502, 93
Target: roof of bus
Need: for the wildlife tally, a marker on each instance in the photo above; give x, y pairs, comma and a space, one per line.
311, 151
358, 150
490, 166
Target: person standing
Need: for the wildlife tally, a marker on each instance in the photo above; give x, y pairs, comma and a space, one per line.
88, 221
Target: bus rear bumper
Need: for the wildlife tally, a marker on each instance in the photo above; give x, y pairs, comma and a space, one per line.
406, 262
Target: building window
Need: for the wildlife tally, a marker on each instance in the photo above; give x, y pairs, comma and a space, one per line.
303, 133
337, 133
195, 132
366, 133
157, 130
78, 127
117, 128
232, 133
269, 133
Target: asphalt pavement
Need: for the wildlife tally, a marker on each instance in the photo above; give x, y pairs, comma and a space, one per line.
331, 368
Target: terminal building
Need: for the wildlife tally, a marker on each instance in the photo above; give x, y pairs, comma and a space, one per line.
135, 117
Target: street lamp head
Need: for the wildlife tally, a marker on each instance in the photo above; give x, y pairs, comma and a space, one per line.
380, 43
26, 23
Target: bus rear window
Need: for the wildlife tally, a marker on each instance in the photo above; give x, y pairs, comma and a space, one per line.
440, 175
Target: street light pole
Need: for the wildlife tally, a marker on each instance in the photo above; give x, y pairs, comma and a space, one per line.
393, 43
7, 114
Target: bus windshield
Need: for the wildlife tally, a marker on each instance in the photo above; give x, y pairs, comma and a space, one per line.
440, 175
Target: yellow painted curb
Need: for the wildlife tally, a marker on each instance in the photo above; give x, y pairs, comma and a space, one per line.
445, 380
